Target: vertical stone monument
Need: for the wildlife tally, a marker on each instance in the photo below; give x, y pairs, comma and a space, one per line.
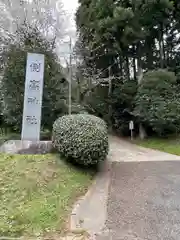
30, 136
31, 123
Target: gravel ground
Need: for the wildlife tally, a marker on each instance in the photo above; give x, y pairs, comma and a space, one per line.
144, 201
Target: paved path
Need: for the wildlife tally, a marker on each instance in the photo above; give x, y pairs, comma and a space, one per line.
122, 151
142, 201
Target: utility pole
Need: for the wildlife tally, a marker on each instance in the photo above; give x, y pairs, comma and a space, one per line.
70, 76
109, 95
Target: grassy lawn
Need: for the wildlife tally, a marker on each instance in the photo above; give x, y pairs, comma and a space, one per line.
36, 194
166, 145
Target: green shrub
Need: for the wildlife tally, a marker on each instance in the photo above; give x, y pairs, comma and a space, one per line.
158, 102
82, 138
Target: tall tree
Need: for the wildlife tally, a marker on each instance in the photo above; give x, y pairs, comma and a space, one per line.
12, 82
131, 36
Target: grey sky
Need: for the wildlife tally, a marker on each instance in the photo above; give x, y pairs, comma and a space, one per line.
70, 7
48, 14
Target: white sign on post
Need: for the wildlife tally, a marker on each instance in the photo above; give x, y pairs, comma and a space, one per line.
131, 125
31, 123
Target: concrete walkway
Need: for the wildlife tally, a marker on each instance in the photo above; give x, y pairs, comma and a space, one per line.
136, 197
122, 151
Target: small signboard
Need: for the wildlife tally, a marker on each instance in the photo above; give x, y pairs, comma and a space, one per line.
31, 123
131, 125
131, 128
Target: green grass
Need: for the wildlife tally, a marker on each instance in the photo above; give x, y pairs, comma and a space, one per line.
168, 145
37, 193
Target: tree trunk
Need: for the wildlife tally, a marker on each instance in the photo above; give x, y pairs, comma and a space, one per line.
161, 45
149, 53
127, 68
121, 67
134, 68
140, 72
78, 90
134, 62
164, 54
142, 131
168, 50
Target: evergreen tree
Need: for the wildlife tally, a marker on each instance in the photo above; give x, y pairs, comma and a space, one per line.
13, 81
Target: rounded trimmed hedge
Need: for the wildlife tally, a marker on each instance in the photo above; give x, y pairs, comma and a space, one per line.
83, 138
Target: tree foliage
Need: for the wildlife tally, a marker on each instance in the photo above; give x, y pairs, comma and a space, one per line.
114, 107
12, 84
127, 39
119, 33
157, 102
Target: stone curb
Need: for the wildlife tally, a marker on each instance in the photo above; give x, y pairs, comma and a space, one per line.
84, 215
26, 147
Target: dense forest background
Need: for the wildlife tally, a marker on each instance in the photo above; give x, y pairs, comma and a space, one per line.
129, 63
